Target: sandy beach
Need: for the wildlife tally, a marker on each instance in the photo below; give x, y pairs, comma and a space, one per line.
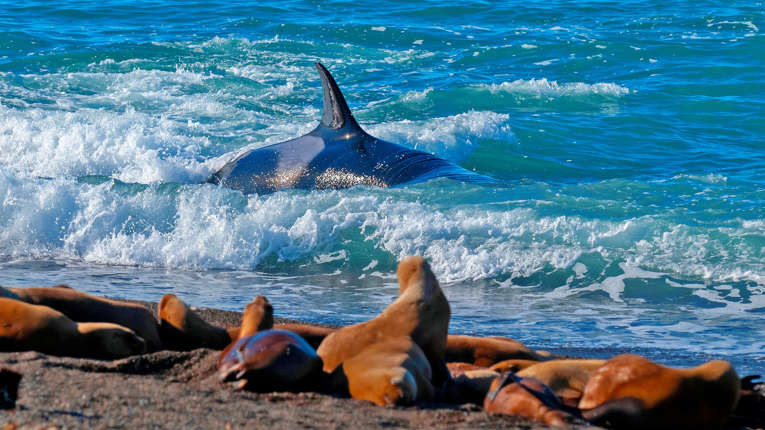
179, 390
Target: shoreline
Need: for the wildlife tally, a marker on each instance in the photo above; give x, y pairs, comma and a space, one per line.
179, 390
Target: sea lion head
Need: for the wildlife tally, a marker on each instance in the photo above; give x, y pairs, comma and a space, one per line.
109, 340
271, 360
416, 271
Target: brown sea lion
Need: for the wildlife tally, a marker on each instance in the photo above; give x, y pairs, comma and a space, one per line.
632, 392
25, 327
487, 351
181, 329
84, 307
394, 371
566, 378
271, 360
421, 311
527, 397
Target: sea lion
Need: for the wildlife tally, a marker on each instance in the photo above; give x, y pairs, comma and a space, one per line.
527, 397
270, 360
394, 371
84, 307
486, 351
26, 327
566, 378
181, 329
633, 392
421, 311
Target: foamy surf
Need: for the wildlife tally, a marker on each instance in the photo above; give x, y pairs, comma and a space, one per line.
629, 214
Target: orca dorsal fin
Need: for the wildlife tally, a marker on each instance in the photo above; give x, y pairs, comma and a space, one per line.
336, 113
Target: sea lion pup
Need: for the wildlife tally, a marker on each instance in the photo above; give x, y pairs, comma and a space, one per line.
420, 311
632, 392
26, 327
391, 372
271, 360
527, 397
486, 351
566, 378
181, 329
84, 307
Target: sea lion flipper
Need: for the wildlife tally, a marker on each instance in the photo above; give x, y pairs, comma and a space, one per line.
616, 413
336, 113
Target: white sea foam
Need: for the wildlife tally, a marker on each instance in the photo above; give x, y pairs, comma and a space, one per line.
206, 227
415, 96
544, 88
453, 137
129, 146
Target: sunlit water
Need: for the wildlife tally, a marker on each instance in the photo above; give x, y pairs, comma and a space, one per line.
629, 138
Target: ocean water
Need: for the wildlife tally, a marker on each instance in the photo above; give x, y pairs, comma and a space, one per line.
628, 138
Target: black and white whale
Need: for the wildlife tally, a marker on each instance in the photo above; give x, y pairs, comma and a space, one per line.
336, 154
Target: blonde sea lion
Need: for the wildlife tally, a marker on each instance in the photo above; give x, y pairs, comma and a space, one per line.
270, 360
182, 329
566, 378
527, 397
25, 327
84, 307
487, 351
633, 392
394, 371
421, 311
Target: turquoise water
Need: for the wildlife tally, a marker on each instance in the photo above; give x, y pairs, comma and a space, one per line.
629, 138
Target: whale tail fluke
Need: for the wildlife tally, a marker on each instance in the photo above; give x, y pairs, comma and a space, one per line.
336, 114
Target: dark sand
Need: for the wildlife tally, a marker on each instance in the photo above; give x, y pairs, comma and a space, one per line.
179, 390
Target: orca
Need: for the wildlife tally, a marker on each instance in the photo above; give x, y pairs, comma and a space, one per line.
338, 153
